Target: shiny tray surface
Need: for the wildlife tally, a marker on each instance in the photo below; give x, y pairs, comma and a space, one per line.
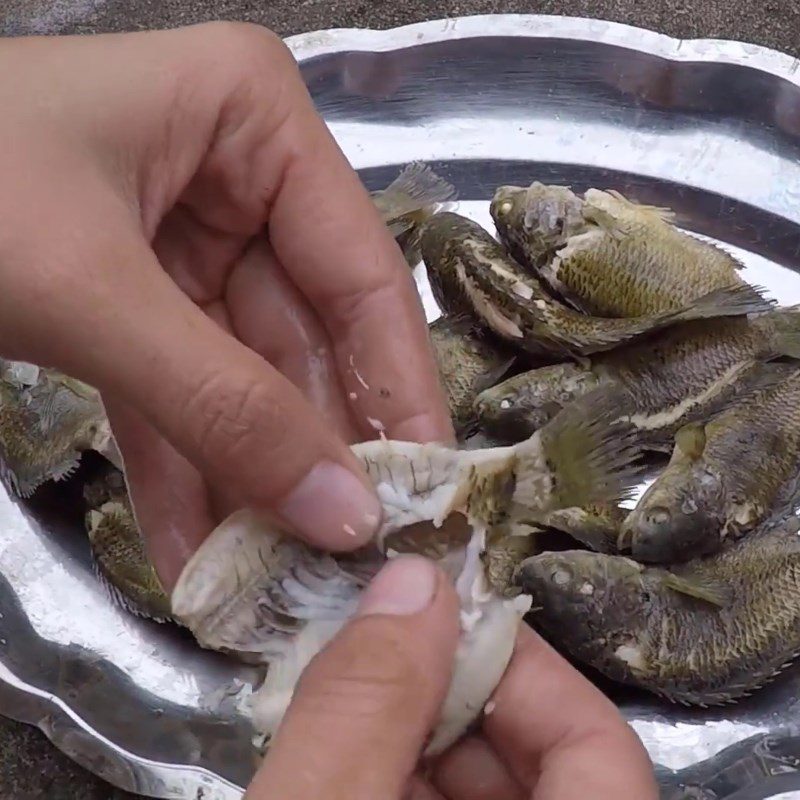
709, 128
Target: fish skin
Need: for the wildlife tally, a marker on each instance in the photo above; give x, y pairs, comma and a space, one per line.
46, 423
408, 201
534, 222
469, 360
724, 478
637, 628
253, 590
118, 550
471, 273
685, 374
608, 255
518, 406
596, 525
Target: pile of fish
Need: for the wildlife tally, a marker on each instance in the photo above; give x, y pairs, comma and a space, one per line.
694, 594
589, 344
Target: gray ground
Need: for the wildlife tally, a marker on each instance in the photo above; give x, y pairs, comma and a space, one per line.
29, 767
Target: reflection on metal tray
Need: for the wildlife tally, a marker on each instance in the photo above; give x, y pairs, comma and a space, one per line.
711, 129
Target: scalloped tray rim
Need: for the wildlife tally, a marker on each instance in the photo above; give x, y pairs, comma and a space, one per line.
21, 701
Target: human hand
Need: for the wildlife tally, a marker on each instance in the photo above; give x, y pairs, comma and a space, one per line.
364, 707
179, 229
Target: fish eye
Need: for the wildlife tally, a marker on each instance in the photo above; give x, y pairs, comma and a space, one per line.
505, 208
560, 577
506, 403
658, 515
646, 597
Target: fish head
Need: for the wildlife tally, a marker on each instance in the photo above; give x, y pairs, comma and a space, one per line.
524, 403
67, 409
517, 407
438, 230
109, 485
507, 208
93, 432
598, 605
537, 219
19, 374
678, 518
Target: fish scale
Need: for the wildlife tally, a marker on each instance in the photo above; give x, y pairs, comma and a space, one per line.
708, 632
468, 361
687, 373
118, 549
666, 268
743, 646
471, 273
606, 254
724, 478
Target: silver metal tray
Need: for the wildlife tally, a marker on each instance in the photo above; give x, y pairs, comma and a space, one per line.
710, 128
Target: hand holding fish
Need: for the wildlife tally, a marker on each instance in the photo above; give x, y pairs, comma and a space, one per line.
184, 234
363, 709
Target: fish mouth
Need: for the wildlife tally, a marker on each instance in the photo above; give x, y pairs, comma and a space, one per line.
513, 420
684, 539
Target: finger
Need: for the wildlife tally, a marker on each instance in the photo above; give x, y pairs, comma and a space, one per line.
266, 311
240, 422
364, 707
224, 499
270, 316
169, 496
472, 770
272, 159
174, 507
419, 789
217, 118
356, 278
560, 735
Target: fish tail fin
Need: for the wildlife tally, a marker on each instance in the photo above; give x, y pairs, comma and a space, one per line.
412, 198
419, 183
416, 190
588, 453
729, 301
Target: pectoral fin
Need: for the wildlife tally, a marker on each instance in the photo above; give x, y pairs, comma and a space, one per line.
717, 593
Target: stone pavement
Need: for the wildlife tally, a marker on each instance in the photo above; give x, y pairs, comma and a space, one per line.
30, 768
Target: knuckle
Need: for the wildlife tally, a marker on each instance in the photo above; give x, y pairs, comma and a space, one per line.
230, 413
247, 43
372, 675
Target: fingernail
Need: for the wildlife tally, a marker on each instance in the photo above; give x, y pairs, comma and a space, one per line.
406, 585
332, 508
425, 428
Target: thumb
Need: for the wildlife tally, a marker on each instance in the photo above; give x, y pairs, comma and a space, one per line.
364, 707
